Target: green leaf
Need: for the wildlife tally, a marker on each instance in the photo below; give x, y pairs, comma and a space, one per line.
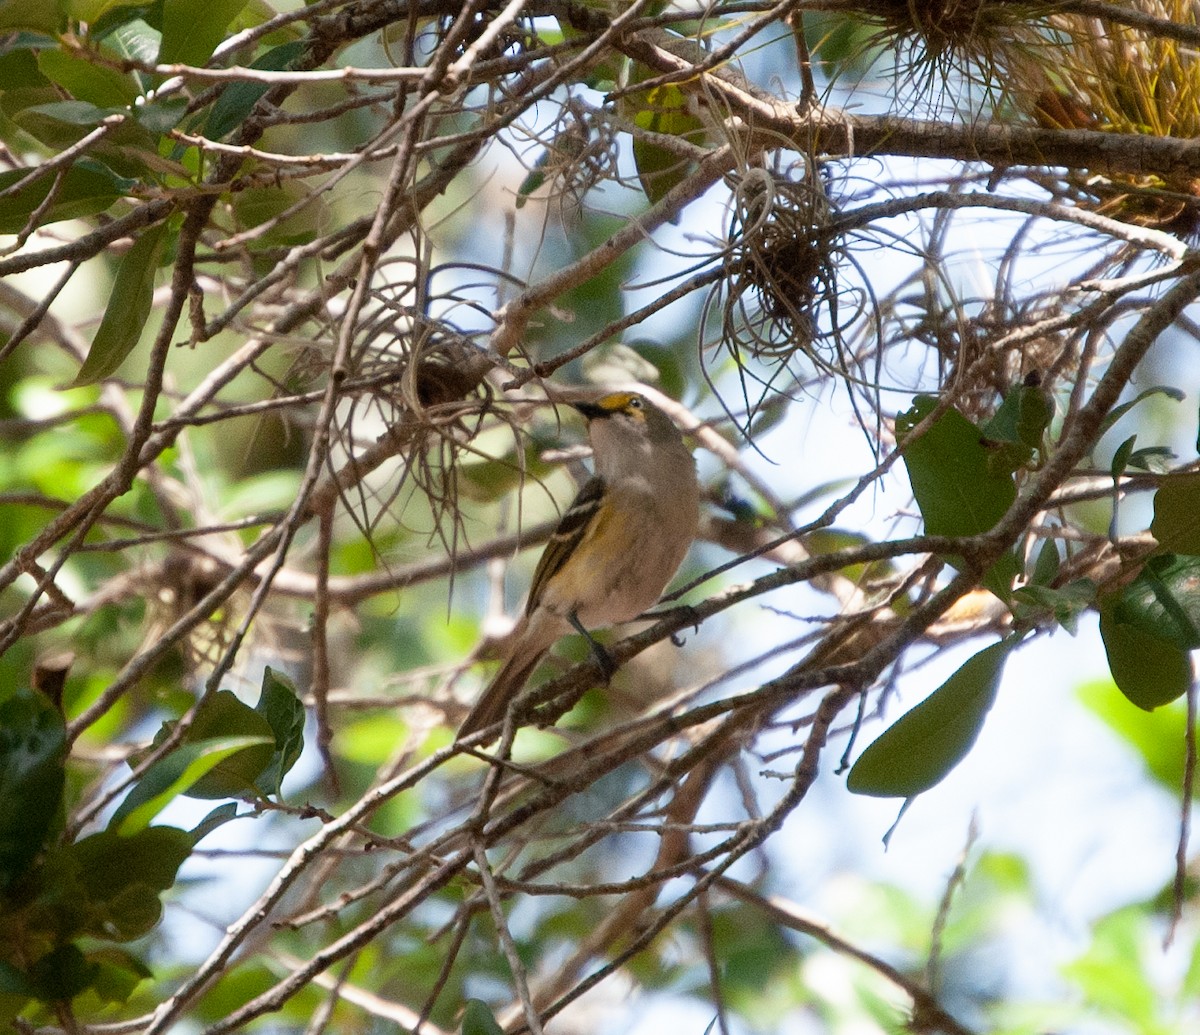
1032, 605
61, 974
72, 113
224, 715
1113, 973
281, 706
19, 61
119, 878
1149, 670
178, 774
1164, 600
1120, 459
1157, 737
1155, 459
1023, 416
161, 116
128, 308
86, 80
192, 29
219, 816
1176, 523
237, 100
478, 1019
956, 487
1045, 568
31, 14
661, 109
33, 751
924, 744
1117, 412
117, 975
91, 11
84, 190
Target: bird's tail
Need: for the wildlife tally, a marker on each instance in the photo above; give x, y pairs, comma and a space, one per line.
530, 644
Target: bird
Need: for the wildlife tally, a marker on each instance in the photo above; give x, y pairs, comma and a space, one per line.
616, 547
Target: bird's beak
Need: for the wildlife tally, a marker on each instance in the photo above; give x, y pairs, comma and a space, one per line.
590, 410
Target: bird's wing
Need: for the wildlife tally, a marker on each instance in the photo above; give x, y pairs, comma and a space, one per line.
565, 538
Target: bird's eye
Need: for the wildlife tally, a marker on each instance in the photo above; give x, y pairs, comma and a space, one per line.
635, 403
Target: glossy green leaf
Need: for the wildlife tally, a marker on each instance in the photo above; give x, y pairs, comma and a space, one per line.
924, 744
192, 29
220, 715
478, 1019
1164, 600
86, 189
71, 113
1149, 670
281, 706
956, 487
126, 31
176, 774
33, 751
1176, 523
128, 307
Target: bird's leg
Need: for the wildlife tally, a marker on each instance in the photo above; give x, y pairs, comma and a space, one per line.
598, 652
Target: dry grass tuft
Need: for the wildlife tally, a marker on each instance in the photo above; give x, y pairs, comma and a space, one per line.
1119, 79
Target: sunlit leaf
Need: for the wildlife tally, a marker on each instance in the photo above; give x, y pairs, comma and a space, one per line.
661, 109
924, 744
176, 774
957, 489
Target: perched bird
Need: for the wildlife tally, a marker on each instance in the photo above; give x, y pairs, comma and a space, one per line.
616, 547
